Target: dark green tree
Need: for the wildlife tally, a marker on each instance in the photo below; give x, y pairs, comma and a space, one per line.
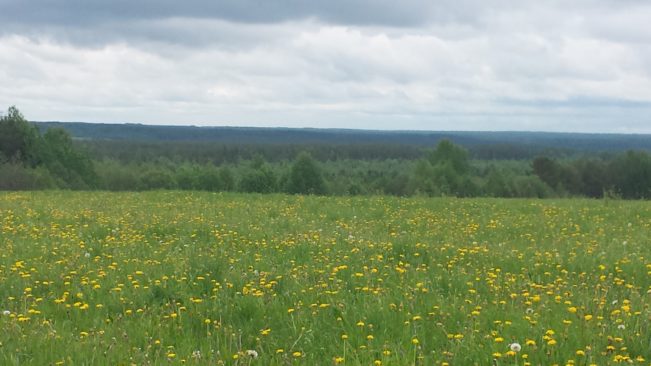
593, 176
156, 178
547, 170
496, 184
259, 178
18, 138
631, 174
446, 171
65, 161
305, 176
453, 155
209, 179
423, 179
227, 179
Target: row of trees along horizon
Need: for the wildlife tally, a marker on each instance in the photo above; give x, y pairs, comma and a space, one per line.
31, 159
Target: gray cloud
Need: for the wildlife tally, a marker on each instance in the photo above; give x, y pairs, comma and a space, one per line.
224, 22
91, 12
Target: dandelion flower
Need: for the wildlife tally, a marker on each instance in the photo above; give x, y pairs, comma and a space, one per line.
515, 347
252, 353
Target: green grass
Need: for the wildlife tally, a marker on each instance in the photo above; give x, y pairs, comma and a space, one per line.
200, 278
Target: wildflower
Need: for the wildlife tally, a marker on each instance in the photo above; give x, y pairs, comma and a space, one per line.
6, 312
196, 354
252, 353
515, 347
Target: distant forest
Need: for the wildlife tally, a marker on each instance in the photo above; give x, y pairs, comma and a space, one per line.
56, 155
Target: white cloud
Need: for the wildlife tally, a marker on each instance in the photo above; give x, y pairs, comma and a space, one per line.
540, 66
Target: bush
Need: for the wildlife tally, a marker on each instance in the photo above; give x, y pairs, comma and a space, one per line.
17, 177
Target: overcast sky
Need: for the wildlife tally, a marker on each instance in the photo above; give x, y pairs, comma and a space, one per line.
552, 65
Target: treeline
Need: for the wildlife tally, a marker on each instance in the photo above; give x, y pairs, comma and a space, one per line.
627, 175
203, 152
30, 159
219, 153
526, 142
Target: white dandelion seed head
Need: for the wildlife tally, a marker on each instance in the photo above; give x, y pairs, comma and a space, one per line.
515, 347
621, 327
6, 312
252, 353
87, 255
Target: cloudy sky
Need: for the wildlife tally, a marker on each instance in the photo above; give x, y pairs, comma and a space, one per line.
553, 65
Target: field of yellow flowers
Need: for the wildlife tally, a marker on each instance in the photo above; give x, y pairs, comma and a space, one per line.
157, 278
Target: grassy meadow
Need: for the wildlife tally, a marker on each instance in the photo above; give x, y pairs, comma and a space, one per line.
90, 278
